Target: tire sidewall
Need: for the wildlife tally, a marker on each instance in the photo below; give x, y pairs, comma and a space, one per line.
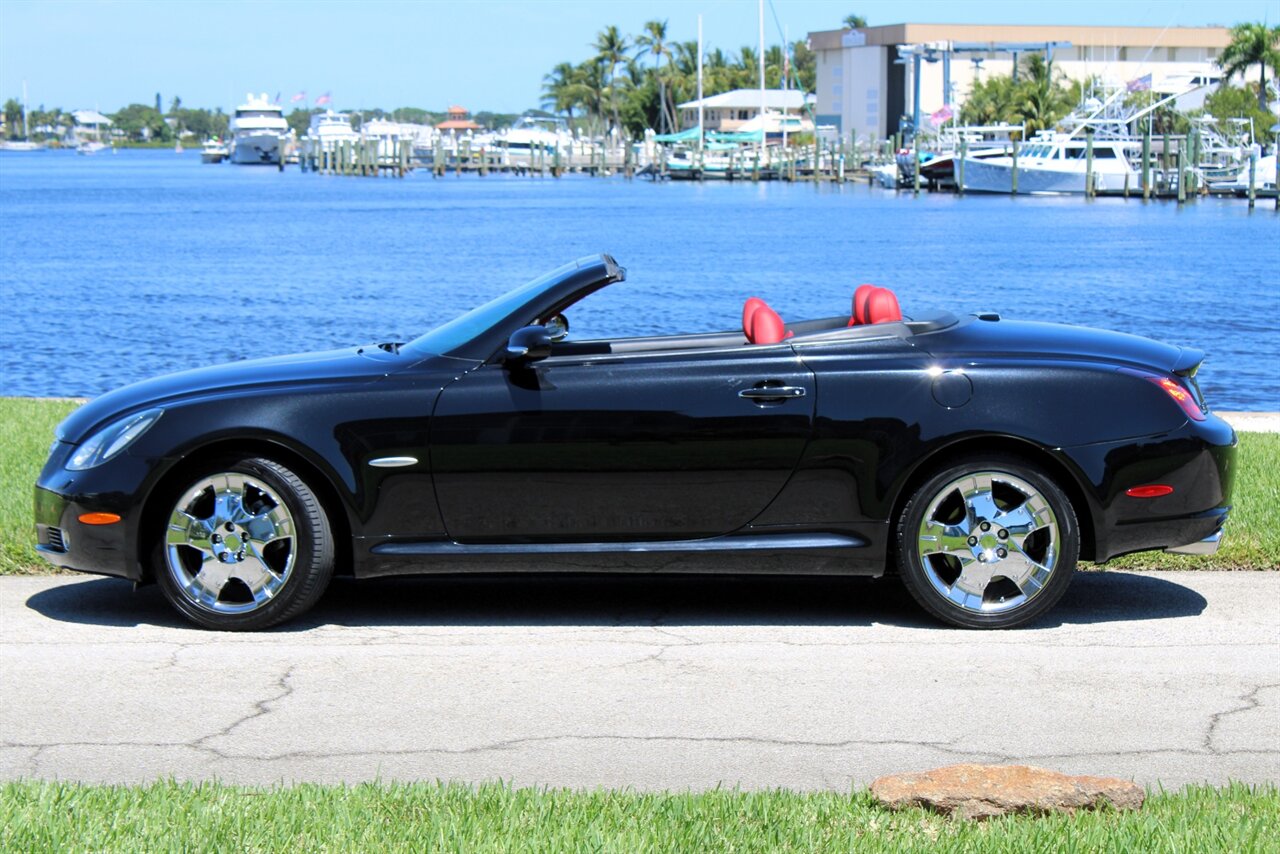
313, 543
916, 579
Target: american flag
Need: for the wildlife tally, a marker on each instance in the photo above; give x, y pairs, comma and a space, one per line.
323, 99
1140, 84
942, 115
301, 96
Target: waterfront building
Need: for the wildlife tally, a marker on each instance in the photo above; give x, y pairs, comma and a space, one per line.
729, 111
866, 77
90, 124
459, 120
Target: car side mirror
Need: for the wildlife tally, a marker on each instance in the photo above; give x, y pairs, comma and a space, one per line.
558, 327
529, 344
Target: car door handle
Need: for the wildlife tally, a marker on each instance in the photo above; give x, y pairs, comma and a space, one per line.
772, 392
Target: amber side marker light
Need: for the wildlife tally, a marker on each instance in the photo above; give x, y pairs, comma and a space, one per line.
1151, 490
99, 518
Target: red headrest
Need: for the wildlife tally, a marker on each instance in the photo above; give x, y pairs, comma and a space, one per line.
859, 314
882, 306
747, 311
766, 326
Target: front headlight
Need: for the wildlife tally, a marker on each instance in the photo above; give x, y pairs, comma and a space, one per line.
112, 439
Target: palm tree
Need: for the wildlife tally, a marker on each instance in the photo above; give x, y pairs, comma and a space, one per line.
1252, 44
561, 89
854, 22
590, 89
654, 41
611, 47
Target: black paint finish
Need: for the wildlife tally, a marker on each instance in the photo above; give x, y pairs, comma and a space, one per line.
689, 453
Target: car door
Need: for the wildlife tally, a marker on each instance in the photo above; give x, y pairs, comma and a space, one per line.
641, 446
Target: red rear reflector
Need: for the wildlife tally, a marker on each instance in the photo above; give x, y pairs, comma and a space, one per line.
1180, 395
99, 518
1151, 490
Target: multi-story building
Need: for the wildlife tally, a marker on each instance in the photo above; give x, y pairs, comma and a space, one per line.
865, 83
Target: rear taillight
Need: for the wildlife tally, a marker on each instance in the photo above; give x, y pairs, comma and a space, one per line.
1181, 395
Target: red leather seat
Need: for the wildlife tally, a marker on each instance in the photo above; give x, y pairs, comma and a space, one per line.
748, 311
882, 307
872, 304
767, 327
859, 313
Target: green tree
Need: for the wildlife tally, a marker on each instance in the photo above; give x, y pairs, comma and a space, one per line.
140, 123
804, 65
13, 118
1252, 44
1230, 102
854, 22
653, 41
611, 49
562, 89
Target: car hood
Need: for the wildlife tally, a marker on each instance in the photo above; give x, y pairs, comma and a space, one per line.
1005, 338
351, 364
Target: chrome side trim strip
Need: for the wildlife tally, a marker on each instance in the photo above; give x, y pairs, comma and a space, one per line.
393, 462
712, 544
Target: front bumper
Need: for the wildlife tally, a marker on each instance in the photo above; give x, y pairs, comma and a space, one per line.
62, 497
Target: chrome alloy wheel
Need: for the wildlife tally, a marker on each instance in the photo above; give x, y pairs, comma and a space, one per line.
230, 545
988, 542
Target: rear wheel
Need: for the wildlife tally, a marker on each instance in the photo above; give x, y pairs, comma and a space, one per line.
988, 543
246, 546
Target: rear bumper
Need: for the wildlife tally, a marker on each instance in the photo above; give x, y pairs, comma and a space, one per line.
1206, 546
1197, 462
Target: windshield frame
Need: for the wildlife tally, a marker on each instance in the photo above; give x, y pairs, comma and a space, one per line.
480, 332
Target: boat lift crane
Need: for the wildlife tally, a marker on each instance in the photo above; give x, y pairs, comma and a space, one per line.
933, 51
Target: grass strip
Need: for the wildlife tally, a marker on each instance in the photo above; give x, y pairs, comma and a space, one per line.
1252, 540
170, 816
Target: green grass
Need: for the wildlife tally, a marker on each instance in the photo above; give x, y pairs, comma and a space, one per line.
168, 816
26, 430
1252, 540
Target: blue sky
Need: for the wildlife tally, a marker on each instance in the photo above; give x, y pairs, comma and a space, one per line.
482, 54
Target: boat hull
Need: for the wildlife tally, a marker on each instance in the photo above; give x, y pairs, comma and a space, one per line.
257, 148
995, 175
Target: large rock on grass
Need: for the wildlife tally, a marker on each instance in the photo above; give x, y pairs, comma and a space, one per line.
984, 791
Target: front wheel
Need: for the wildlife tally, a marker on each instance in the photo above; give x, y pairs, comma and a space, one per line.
989, 543
246, 546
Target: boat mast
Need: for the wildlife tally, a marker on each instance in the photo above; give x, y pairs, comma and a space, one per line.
26, 134
701, 131
760, 148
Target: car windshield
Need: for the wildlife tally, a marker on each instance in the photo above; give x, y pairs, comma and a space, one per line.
447, 338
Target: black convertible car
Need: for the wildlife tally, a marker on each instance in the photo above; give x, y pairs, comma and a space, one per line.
979, 458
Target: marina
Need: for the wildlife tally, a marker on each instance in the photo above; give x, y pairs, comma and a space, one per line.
145, 253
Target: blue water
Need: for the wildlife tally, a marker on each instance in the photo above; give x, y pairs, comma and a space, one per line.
115, 268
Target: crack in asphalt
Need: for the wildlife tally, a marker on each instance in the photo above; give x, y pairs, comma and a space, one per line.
1250, 701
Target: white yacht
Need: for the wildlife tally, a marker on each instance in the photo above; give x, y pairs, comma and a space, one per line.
1054, 164
533, 133
91, 147
329, 129
259, 132
214, 151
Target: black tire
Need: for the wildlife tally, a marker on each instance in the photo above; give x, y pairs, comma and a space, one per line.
947, 563
279, 542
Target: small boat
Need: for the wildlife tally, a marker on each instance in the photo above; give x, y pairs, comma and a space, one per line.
1264, 179
214, 151
91, 147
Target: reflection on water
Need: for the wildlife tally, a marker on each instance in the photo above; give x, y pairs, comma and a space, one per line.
119, 267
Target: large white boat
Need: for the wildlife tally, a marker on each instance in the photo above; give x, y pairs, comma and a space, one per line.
330, 129
1057, 163
531, 134
259, 132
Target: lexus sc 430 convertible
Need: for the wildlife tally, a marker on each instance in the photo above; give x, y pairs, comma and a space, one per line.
977, 458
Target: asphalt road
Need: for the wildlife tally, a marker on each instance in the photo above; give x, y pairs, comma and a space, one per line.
650, 683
